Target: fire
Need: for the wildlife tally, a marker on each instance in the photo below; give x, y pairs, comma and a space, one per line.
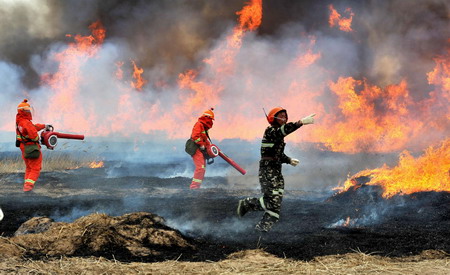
137, 75
65, 82
307, 56
203, 90
353, 115
429, 172
250, 16
221, 61
347, 222
368, 118
335, 19
440, 77
68, 106
94, 164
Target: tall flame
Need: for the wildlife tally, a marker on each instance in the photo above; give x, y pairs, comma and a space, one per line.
221, 61
137, 75
250, 17
65, 82
440, 77
430, 172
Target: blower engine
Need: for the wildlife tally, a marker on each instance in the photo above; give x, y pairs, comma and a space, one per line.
50, 138
214, 151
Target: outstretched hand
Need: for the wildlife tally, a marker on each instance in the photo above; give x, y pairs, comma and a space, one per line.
294, 162
308, 120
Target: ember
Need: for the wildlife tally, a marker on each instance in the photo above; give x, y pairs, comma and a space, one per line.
94, 164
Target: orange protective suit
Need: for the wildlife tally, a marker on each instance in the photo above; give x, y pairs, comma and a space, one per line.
27, 133
200, 136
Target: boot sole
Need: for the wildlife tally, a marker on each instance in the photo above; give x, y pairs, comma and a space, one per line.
238, 210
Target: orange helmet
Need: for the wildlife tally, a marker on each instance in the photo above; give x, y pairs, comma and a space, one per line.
24, 106
273, 113
209, 113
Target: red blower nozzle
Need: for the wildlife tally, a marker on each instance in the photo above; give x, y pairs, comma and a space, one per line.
214, 151
50, 138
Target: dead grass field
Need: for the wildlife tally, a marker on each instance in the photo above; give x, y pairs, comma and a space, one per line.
255, 260
54, 162
243, 262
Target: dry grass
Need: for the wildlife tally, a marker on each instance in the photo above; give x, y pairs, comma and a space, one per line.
56, 161
244, 262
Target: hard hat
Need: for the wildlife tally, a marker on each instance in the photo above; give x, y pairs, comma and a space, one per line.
209, 113
24, 106
273, 113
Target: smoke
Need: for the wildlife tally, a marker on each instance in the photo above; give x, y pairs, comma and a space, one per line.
198, 227
168, 33
289, 61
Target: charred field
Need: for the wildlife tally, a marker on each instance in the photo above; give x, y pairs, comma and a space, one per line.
312, 223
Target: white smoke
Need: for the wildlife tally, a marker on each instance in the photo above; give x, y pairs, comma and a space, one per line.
189, 226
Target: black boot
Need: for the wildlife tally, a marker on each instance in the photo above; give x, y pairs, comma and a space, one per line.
242, 208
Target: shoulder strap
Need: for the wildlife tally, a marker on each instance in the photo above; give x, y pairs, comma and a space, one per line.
206, 132
24, 139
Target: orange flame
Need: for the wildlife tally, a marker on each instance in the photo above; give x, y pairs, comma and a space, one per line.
347, 222
305, 60
430, 172
221, 61
65, 82
250, 17
335, 19
368, 118
94, 164
137, 74
440, 77
203, 90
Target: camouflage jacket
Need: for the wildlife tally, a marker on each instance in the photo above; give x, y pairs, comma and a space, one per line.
272, 144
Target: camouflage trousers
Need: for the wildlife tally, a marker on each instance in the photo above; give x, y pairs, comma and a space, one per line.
272, 187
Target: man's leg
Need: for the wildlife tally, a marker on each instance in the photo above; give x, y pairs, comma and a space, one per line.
199, 173
32, 172
248, 204
272, 184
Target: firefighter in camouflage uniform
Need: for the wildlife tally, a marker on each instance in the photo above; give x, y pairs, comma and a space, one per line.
270, 176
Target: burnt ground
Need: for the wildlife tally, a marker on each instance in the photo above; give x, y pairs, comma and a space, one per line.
311, 224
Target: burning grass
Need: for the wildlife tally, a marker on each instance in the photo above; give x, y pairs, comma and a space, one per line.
56, 161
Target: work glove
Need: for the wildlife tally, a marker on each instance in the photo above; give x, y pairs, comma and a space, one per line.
308, 120
294, 162
48, 127
202, 147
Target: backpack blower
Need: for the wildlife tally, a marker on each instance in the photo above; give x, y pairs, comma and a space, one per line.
214, 151
50, 138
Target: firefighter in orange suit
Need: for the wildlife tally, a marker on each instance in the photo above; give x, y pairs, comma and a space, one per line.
200, 137
27, 134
